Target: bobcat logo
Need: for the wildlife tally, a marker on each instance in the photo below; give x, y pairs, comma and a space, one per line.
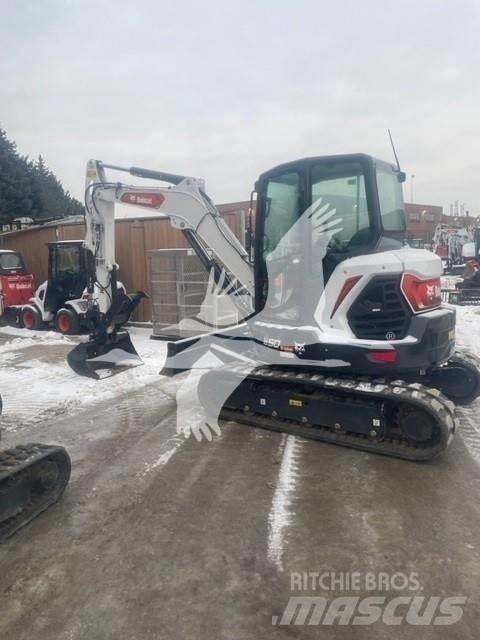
299, 347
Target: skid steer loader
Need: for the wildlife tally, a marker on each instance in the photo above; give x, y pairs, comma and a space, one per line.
62, 298
345, 339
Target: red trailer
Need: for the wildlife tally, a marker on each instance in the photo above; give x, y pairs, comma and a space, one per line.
16, 284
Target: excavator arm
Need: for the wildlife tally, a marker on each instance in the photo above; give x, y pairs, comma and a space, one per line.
188, 208
186, 205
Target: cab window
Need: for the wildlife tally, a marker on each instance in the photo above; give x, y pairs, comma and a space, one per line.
281, 209
390, 196
340, 188
10, 261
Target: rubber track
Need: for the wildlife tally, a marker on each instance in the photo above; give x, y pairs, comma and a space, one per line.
20, 462
398, 392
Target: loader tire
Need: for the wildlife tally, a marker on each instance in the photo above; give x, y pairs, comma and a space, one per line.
31, 318
66, 322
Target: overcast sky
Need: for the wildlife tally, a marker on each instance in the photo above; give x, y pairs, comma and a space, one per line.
225, 90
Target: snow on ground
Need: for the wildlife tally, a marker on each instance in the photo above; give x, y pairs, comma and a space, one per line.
468, 328
280, 516
36, 383
468, 339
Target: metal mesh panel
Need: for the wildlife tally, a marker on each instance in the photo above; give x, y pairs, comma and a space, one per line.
178, 284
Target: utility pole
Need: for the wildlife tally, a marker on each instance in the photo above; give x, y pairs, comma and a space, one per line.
411, 187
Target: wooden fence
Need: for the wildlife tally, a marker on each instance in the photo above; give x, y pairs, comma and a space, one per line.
133, 239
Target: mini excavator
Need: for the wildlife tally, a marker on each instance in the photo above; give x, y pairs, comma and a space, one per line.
344, 323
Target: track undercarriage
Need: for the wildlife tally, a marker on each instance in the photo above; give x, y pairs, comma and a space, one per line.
400, 418
32, 478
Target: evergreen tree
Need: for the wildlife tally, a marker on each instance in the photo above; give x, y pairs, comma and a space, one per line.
15, 183
29, 189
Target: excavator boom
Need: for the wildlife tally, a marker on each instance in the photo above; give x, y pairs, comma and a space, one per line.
189, 209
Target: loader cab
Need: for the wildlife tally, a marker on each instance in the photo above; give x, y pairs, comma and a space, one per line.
11, 263
314, 213
67, 273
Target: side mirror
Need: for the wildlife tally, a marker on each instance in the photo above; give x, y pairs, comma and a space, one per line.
401, 176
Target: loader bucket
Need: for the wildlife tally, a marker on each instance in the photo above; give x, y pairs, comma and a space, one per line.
103, 358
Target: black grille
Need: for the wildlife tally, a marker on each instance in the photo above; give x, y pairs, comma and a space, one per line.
380, 312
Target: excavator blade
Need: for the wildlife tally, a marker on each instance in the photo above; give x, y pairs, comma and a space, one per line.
231, 344
104, 357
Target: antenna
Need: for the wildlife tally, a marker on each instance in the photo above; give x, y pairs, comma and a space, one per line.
393, 148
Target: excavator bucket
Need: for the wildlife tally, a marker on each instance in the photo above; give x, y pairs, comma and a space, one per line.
106, 354
104, 357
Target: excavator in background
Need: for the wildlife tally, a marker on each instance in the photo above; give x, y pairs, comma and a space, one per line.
32, 478
448, 243
467, 291
344, 324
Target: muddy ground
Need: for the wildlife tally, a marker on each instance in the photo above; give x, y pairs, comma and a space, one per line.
158, 537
